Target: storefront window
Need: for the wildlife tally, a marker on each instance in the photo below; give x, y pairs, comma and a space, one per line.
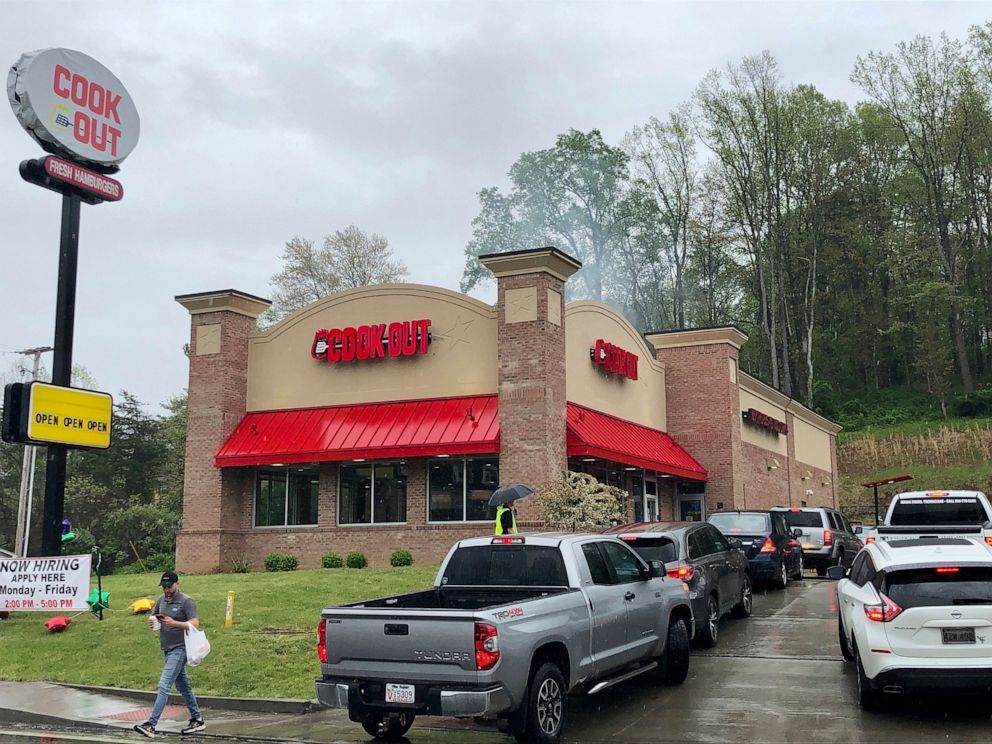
459, 490
372, 494
286, 497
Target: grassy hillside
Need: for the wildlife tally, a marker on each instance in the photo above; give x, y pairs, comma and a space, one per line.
951, 453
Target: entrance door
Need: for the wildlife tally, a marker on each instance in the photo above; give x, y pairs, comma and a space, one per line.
690, 508
650, 500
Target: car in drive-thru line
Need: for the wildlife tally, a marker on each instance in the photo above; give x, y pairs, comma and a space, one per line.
774, 554
826, 537
512, 625
917, 614
711, 565
923, 514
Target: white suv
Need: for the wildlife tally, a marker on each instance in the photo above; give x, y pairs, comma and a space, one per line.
917, 614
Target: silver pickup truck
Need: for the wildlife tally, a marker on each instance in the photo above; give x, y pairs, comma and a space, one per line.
512, 625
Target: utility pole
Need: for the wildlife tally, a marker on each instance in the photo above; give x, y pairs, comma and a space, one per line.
27, 471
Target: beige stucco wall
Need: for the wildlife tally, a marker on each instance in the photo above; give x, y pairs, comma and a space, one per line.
764, 438
461, 359
642, 400
812, 444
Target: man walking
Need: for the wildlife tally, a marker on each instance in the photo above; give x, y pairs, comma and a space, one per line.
506, 519
174, 612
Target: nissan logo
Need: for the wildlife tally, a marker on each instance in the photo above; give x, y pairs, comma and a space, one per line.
956, 615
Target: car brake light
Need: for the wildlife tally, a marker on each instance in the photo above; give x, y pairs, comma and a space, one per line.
767, 546
988, 540
683, 573
883, 613
936, 494
322, 641
486, 646
948, 569
794, 509
828, 538
628, 538
869, 540
507, 541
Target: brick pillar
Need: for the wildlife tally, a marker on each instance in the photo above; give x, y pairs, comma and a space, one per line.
213, 499
703, 405
531, 352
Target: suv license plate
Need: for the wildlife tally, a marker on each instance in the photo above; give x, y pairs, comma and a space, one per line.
958, 635
404, 693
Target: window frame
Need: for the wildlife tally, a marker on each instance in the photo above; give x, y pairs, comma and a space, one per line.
464, 461
285, 501
371, 522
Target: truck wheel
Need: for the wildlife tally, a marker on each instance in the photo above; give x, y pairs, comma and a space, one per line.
710, 632
675, 662
743, 608
547, 706
386, 728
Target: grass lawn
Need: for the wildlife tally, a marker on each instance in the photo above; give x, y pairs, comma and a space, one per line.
269, 652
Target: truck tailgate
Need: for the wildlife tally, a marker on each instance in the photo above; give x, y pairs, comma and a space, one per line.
393, 645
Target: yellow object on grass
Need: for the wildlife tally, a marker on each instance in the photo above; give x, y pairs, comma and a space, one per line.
141, 605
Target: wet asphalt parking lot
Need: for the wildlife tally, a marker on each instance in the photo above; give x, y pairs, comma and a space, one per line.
776, 677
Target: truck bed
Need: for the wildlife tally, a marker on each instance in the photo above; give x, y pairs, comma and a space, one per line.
459, 598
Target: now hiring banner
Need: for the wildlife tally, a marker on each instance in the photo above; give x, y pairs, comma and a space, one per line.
45, 584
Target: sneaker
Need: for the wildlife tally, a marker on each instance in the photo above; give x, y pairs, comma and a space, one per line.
194, 726
145, 729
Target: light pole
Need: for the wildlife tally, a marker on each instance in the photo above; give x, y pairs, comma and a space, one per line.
26, 494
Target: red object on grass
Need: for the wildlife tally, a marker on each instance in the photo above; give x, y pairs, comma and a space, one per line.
58, 623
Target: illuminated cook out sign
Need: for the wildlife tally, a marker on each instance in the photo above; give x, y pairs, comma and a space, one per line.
73, 105
765, 421
373, 341
614, 359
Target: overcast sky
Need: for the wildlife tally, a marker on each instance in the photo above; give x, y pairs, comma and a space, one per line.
261, 121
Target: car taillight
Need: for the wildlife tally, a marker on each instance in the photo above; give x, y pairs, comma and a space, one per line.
322, 641
828, 538
767, 546
869, 540
882, 613
988, 540
683, 573
486, 646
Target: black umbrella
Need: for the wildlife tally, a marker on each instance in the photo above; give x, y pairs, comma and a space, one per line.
506, 494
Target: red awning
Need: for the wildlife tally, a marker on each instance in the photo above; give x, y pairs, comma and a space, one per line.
411, 428
595, 434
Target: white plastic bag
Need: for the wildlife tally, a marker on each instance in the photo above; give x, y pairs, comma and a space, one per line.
197, 646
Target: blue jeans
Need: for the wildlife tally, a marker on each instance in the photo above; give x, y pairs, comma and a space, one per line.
174, 673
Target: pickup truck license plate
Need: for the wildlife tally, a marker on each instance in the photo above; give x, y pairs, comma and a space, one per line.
958, 635
404, 693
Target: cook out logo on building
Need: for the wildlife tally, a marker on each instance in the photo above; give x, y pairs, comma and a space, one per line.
614, 359
374, 341
68, 101
765, 421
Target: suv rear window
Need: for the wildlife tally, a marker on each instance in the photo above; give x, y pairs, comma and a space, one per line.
506, 565
655, 549
744, 523
925, 587
803, 519
924, 511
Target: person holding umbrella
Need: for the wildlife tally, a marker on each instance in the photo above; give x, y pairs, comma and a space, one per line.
506, 513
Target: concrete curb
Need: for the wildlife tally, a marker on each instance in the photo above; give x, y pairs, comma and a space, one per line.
15, 715
290, 706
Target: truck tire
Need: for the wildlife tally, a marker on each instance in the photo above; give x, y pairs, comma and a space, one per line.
547, 706
675, 662
382, 727
743, 608
709, 632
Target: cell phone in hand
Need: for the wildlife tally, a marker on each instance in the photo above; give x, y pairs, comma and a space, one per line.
159, 616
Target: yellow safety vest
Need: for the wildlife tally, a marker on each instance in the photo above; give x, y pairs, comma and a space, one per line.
499, 521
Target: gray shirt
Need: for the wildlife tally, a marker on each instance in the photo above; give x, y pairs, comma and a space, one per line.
181, 607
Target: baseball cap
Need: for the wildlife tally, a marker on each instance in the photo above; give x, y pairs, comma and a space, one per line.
169, 577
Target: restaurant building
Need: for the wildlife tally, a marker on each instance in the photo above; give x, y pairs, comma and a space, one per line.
384, 417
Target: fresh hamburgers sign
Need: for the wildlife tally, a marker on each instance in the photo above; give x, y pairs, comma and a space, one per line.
71, 104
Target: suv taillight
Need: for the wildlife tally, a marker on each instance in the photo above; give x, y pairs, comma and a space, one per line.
882, 613
828, 538
322, 641
869, 540
988, 540
683, 573
486, 646
767, 546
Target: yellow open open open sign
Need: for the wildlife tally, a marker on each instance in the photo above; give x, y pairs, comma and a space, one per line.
69, 416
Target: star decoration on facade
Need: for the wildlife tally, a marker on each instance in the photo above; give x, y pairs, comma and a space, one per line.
458, 333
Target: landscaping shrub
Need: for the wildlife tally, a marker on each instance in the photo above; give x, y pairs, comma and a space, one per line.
241, 565
331, 560
281, 562
401, 558
356, 560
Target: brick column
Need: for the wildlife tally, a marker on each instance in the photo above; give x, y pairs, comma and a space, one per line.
703, 404
531, 353
214, 501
